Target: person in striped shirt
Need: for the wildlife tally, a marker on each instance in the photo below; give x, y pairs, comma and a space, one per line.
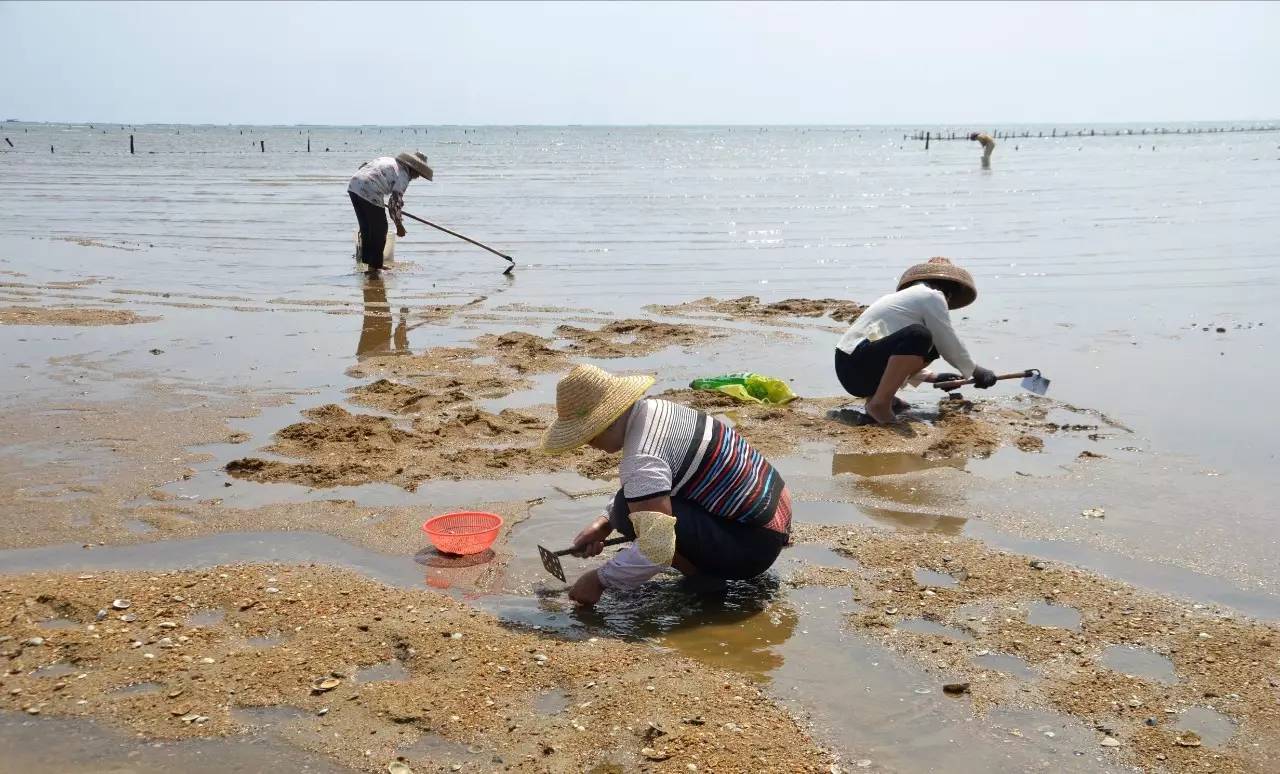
732, 510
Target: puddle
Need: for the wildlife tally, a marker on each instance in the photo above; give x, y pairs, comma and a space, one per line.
551, 702
1139, 662
391, 670
889, 464
138, 527
829, 512
874, 711
206, 618
266, 640
924, 626
266, 717
138, 689
820, 555
1053, 616
437, 753
225, 548
1214, 728
84, 747
58, 623
1003, 662
54, 670
935, 579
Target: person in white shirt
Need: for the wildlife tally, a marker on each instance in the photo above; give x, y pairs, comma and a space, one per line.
377, 184
892, 341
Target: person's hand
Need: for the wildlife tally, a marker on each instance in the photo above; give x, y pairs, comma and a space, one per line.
587, 589
983, 378
590, 541
945, 377
400, 230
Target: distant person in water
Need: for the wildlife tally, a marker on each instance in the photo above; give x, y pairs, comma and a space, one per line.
377, 184
890, 343
988, 146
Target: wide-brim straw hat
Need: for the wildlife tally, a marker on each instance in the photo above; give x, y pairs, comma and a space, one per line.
417, 162
588, 400
939, 268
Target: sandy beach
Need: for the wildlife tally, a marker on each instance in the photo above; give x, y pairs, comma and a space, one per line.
215, 478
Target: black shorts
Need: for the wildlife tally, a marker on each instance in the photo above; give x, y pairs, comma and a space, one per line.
716, 546
373, 231
860, 372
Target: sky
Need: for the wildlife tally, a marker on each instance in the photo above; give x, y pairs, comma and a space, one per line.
639, 63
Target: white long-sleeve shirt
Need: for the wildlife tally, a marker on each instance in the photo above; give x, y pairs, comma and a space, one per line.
916, 304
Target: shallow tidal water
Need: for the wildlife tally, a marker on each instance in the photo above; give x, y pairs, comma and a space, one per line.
1098, 260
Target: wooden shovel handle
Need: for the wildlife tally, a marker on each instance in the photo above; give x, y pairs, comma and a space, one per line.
962, 382
610, 542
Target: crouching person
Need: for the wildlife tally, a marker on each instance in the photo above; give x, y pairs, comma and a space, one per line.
892, 342
731, 509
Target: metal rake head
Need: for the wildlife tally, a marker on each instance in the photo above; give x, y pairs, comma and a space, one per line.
551, 563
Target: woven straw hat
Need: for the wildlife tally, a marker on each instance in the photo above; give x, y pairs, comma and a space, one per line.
655, 536
940, 268
588, 400
415, 161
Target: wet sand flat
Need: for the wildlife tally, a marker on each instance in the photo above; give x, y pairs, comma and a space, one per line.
253, 465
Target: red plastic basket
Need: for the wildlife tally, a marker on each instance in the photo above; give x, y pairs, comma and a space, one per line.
465, 532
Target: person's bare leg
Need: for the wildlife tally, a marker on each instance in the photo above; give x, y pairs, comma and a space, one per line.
896, 372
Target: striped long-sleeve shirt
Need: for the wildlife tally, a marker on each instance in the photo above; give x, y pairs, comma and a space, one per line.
675, 450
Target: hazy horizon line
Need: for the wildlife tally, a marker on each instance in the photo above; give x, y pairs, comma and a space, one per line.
912, 125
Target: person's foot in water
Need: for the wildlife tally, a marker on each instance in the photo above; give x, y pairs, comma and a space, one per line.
373, 274
882, 413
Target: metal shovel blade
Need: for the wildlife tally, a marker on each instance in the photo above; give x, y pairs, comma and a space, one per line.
551, 563
1035, 383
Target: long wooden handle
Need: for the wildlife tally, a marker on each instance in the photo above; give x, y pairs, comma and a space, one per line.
459, 236
962, 382
607, 543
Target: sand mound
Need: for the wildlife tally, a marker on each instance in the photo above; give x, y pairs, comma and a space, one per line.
335, 447
624, 338
84, 316
751, 308
469, 679
956, 430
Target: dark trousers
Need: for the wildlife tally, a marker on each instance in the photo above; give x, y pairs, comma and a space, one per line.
860, 371
716, 546
373, 231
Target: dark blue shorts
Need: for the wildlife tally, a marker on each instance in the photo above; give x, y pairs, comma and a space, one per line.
716, 546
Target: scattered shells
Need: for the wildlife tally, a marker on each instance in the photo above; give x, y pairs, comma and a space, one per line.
398, 767
1110, 741
327, 684
35, 641
128, 618
1093, 513
121, 604
167, 625
1038, 564
655, 755
1188, 739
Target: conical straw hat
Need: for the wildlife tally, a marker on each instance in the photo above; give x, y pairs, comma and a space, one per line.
588, 400
655, 536
417, 162
940, 268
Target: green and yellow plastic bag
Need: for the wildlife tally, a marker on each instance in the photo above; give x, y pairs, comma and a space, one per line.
748, 387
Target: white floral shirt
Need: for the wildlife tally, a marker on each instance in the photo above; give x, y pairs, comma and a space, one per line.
380, 179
